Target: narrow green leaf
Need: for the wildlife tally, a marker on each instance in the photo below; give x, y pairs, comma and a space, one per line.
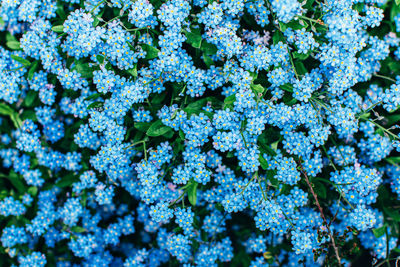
193, 39
8, 111
96, 21
13, 45
157, 129
133, 71
230, 99
67, 181
378, 232
394, 159
151, 52
78, 229
257, 88
33, 190
275, 144
29, 114
395, 215
198, 104
16, 181
30, 98
33, 69
96, 104
60, 11
320, 189
192, 193
142, 126
21, 60
94, 96
84, 70
58, 28
208, 61
301, 69
263, 162
300, 56
10, 37
181, 135
169, 134
277, 37
287, 87
208, 49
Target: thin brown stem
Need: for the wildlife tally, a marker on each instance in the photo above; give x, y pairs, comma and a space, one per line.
322, 215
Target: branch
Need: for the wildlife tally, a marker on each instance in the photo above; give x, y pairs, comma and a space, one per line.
322, 215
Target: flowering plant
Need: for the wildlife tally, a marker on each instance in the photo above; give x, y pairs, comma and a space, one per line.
198, 133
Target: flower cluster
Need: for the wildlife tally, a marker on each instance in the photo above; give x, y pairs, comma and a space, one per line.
199, 133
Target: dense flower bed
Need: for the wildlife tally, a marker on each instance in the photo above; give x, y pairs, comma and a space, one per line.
199, 133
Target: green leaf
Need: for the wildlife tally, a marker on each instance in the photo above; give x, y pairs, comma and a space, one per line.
181, 134
394, 159
192, 193
84, 70
177, 229
100, 58
309, 4
169, 134
198, 104
392, 119
394, 11
67, 180
96, 21
320, 189
32, 70
193, 39
13, 45
58, 28
33, 190
158, 98
300, 68
300, 56
151, 52
142, 126
263, 162
291, 102
208, 49
191, 111
8, 111
397, 2
21, 60
17, 182
30, 98
29, 114
257, 88
157, 129
228, 101
378, 232
208, 61
94, 96
133, 71
287, 87
96, 104
60, 11
10, 37
275, 144
394, 214
78, 229
277, 37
